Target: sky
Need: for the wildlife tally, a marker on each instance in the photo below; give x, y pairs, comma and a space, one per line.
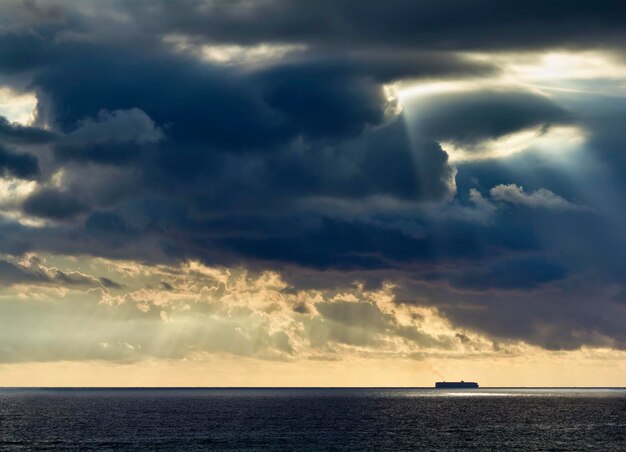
312, 193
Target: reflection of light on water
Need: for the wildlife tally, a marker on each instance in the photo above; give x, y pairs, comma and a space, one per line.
511, 392
484, 394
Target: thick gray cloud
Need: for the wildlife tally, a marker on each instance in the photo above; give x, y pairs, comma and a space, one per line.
301, 160
55, 204
18, 134
541, 198
550, 319
447, 24
468, 118
24, 166
115, 137
522, 274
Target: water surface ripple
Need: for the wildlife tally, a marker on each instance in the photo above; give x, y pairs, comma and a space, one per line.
312, 419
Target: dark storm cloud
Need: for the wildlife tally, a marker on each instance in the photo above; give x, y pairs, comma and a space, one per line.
18, 134
468, 118
194, 142
103, 153
522, 274
200, 103
285, 162
316, 98
23, 166
54, 204
574, 315
338, 97
205, 104
22, 52
384, 161
432, 24
107, 223
364, 245
550, 329
113, 137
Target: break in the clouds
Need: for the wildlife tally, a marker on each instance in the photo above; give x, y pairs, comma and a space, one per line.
311, 180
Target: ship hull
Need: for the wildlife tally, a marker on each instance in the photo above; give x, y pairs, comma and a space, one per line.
456, 385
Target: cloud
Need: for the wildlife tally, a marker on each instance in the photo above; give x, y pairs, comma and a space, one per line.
547, 318
21, 51
118, 125
468, 118
113, 137
355, 245
109, 283
428, 24
106, 223
522, 274
209, 310
268, 135
23, 166
54, 204
215, 310
33, 272
540, 198
18, 134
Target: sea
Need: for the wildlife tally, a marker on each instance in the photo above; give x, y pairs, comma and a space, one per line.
313, 419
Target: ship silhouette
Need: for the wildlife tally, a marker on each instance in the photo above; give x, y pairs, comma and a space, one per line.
456, 385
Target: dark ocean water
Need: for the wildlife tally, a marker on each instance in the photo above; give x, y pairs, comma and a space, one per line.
312, 419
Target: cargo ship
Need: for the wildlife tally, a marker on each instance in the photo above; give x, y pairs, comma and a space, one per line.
456, 385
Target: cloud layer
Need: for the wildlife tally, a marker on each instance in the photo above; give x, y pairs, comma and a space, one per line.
309, 150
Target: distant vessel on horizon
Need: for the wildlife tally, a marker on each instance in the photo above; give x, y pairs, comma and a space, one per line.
456, 385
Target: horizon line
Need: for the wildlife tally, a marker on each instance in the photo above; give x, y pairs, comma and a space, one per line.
306, 387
